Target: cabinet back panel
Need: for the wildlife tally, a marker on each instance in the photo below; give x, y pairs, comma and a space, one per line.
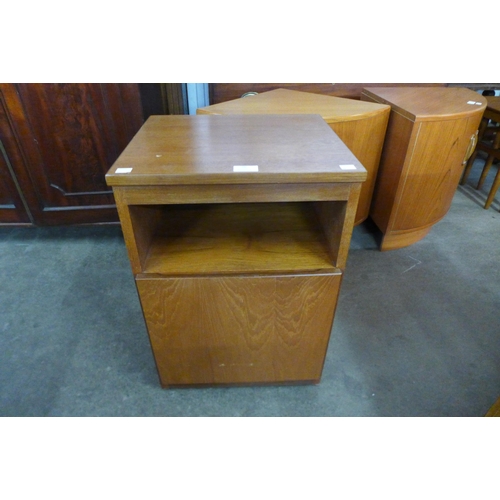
242, 238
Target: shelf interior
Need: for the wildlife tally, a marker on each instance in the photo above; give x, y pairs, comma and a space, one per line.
238, 238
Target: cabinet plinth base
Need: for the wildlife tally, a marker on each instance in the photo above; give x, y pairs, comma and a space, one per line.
400, 239
247, 384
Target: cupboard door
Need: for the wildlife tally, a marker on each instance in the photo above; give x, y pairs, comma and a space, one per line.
12, 209
70, 135
239, 329
433, 172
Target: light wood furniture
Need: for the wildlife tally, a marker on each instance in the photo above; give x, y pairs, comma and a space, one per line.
430, 136
360, 125
222, 92
489, 142
238, 272
494, 411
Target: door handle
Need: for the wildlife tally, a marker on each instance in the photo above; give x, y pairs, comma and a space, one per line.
471, 147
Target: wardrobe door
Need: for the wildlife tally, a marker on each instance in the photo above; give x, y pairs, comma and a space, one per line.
70, 135
12, 209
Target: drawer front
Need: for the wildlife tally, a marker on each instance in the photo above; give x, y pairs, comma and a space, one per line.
239, 329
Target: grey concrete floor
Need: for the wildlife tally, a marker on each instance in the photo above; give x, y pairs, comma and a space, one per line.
417, 330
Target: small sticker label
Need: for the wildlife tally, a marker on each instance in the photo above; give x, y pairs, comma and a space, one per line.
471, 102
123, 170
479, 103
347, 167
245, 168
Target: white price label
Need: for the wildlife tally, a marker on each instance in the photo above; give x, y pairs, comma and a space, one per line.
245, 168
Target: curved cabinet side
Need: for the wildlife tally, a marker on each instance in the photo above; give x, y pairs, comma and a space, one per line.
433, 173
365, 138
420, 168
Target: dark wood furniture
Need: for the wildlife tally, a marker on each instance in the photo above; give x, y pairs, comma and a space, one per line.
360, 125
57, 143
238, 230
430, 136
13, 208
488, 142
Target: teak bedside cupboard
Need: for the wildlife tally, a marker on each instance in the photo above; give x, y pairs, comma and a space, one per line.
237, 229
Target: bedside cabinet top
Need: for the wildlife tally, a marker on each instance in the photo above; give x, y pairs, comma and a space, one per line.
235, 149
428, 103
284, 101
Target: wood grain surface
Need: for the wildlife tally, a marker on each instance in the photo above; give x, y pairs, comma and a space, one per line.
239, 330
234, 193
69, 135
493, 103
494, 411
204, 149
365, 138
429, 134
221, 92
243, 238
13, 208
285, 101
361, 125
238, 275
428, 104
432, 173
398, 137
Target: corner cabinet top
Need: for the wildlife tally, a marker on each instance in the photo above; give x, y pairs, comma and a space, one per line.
428, 103
235, 149
284, 101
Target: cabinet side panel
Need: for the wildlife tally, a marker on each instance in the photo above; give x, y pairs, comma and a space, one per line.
238, 330
433, 174
332, 216
337, 220
398, 141
139, 224
365, 138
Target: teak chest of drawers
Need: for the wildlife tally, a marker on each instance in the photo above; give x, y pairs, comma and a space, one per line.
360, 125
430, 136
237, 230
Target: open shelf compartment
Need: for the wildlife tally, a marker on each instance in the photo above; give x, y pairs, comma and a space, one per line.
246, 238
